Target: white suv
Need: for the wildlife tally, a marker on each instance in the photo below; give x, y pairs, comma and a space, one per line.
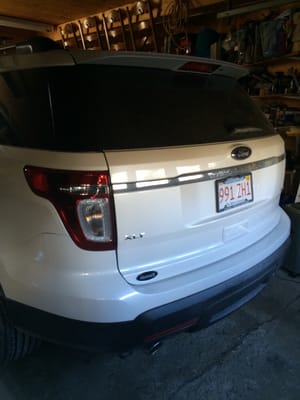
139, 197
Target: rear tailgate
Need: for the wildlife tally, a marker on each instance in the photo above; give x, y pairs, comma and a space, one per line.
166, 212
167, 126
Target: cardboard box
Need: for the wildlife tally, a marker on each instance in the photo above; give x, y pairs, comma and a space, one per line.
296, 18
296, 33
296, 47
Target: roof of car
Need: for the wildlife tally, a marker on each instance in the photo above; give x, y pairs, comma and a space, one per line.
61, 57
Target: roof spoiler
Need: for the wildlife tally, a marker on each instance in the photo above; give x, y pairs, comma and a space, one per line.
35, 45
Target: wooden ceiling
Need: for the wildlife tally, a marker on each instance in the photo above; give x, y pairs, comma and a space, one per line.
60, 11
57, 12
53, 12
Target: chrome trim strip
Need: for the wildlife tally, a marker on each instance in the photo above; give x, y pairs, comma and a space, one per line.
197, 176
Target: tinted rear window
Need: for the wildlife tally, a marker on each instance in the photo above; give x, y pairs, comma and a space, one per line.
90, 107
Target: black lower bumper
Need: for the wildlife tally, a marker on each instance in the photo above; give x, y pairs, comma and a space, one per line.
197, 311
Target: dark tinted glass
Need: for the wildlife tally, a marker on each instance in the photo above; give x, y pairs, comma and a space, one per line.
6, 133
25, 96
104, 107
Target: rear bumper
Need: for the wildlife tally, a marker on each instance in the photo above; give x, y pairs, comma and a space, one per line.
198, 310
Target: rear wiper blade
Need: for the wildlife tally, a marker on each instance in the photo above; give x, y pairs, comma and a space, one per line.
245, 129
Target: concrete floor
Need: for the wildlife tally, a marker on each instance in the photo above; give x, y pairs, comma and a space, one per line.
252, 354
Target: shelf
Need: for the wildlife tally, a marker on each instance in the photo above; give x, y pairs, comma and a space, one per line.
289, 130
277, 97
274, 60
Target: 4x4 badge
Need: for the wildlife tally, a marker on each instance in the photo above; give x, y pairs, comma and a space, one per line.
241, 153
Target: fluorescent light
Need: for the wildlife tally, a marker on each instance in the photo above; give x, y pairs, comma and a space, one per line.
18, 23
152, 183
190, 177
119, 186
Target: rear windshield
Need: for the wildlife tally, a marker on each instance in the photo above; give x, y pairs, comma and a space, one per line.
92, 107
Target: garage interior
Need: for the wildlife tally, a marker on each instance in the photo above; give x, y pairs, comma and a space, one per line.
254, 353
234, 31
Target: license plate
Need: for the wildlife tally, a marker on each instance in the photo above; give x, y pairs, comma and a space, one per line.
234, 191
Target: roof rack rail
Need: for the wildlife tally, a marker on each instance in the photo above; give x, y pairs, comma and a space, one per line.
35, 45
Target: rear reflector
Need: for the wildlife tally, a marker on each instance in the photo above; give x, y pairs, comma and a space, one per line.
199, 67
170, 331
82, 199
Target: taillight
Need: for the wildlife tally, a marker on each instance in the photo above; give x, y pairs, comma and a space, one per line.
83, 200
199, 67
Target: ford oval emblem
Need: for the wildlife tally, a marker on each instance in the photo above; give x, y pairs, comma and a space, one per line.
241, 153
145, 276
